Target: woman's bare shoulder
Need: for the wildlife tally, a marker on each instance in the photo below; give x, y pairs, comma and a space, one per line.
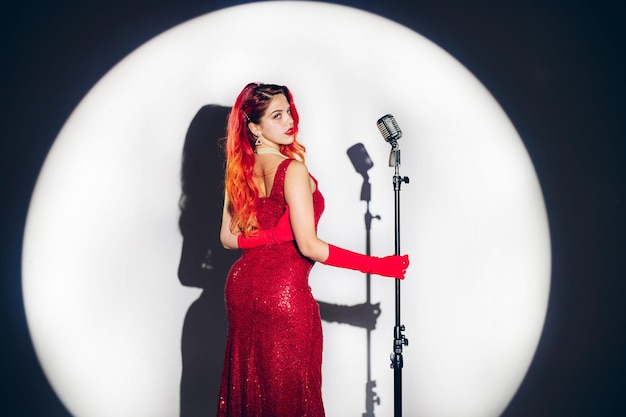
298, 174
297, 168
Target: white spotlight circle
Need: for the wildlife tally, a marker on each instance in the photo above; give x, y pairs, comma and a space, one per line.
101, 250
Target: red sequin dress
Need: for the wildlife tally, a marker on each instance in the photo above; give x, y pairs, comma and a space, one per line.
273, 360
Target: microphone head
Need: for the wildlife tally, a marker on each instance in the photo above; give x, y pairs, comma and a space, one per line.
389, 128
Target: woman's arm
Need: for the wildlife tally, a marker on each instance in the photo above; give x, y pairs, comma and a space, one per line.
227, 237
299, 196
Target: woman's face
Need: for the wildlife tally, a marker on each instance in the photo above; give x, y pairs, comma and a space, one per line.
276, 125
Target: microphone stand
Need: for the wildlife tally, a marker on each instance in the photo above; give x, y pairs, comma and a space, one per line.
399, 340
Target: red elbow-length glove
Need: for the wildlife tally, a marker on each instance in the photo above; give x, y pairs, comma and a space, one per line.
389, 266
280, 233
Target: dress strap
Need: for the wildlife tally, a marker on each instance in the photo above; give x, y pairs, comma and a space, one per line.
278, 188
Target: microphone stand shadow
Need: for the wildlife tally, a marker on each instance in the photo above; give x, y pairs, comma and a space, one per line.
362, 163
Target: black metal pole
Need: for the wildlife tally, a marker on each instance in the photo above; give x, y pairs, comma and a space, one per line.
399, 341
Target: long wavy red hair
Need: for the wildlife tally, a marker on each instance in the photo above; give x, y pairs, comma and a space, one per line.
250, 106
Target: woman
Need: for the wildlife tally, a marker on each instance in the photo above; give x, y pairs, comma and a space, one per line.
272, 365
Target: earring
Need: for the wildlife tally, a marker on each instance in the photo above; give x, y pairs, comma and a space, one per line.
258, 141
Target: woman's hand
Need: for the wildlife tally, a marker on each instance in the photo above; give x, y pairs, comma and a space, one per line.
281, 232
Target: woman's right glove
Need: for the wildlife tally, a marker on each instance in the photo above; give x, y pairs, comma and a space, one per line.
390, 266
281, 232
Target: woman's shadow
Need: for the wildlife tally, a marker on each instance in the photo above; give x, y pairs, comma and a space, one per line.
204, 264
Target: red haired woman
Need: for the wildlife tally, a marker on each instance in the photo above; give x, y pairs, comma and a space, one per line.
273, 358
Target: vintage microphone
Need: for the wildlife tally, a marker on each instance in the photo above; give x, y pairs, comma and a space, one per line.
391, 133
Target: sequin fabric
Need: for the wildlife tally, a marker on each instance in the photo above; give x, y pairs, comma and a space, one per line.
273, 359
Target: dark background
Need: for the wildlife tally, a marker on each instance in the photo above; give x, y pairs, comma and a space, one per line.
556, 67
